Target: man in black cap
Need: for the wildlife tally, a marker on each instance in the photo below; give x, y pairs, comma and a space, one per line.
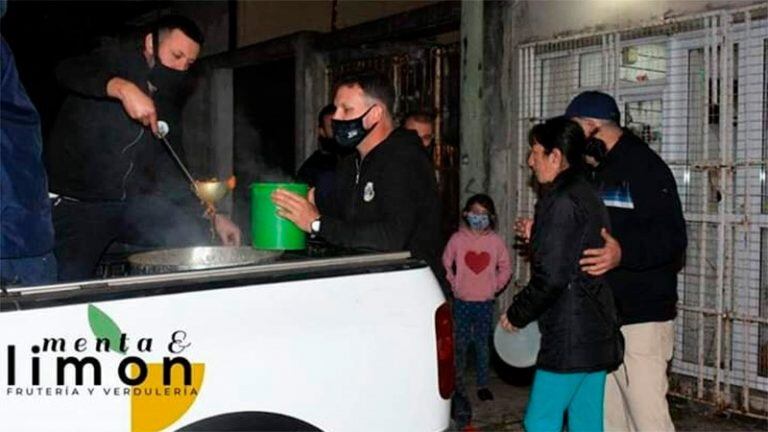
640, 193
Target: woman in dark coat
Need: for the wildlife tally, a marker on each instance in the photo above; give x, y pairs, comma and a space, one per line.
580, 340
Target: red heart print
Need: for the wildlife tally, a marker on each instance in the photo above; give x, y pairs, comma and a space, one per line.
477, 262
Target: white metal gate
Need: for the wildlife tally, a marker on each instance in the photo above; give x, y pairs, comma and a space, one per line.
696, 88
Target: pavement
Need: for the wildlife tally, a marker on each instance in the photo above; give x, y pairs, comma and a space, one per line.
505, 412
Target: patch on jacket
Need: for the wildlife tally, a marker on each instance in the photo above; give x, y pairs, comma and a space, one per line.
368, 192
618, 196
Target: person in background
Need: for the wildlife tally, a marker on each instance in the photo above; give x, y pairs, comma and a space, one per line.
319, 170
640, 193
326, 157
421, 122
478, 267
385, 197
580, 338
26, 230
108, 118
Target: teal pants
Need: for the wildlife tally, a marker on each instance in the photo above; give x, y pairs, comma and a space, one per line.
580, 394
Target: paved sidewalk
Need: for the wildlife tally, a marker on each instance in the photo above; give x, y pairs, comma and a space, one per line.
505, 413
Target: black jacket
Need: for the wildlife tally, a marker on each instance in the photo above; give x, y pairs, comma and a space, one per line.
319, 172
647, 219
93, 142
576, 312
387, 201
317, 164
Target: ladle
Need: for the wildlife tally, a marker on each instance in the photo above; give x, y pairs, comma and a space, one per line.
162, 132
209, 191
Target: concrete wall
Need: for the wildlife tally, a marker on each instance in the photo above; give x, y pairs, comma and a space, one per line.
546, 18
201, 130
473, 163
213, 19
263, 20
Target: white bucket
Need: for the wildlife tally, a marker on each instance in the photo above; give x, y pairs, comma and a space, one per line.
518, 349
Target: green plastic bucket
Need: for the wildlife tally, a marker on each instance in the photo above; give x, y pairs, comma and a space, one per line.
268, 230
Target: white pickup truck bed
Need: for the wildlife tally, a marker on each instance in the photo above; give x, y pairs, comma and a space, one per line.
340, 344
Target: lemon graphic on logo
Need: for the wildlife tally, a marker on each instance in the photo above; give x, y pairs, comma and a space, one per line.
154, 405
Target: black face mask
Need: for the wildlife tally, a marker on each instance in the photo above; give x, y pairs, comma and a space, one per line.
168, 82
596, 149
349, 133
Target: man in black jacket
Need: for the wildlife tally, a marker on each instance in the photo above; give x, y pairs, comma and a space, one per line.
385, 195
423, 123
107, 119
646, 217
319, 170
326, 157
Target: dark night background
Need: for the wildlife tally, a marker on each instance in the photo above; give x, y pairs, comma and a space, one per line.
42, 33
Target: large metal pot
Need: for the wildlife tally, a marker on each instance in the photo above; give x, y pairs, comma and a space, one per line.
197, 258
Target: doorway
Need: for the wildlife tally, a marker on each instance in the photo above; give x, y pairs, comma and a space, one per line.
264, 123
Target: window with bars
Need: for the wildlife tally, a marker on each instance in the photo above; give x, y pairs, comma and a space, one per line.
641, 64
590, 65
644, 118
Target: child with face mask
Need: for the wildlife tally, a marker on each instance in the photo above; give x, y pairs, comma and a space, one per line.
478, 266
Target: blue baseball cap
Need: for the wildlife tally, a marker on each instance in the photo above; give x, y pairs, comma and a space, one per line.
594, 104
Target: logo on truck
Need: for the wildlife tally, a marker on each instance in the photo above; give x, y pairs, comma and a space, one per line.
159, 392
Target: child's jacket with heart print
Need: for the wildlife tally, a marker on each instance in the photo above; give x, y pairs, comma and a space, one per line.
477, 265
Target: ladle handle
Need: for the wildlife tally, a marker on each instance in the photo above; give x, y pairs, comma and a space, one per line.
179, 162
163, 130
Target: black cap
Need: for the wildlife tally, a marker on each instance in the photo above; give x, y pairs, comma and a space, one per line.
594, 104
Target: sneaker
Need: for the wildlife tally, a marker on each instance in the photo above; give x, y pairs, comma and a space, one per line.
484, 394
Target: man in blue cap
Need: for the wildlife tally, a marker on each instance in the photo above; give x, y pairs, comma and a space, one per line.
26, 235
640, 193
